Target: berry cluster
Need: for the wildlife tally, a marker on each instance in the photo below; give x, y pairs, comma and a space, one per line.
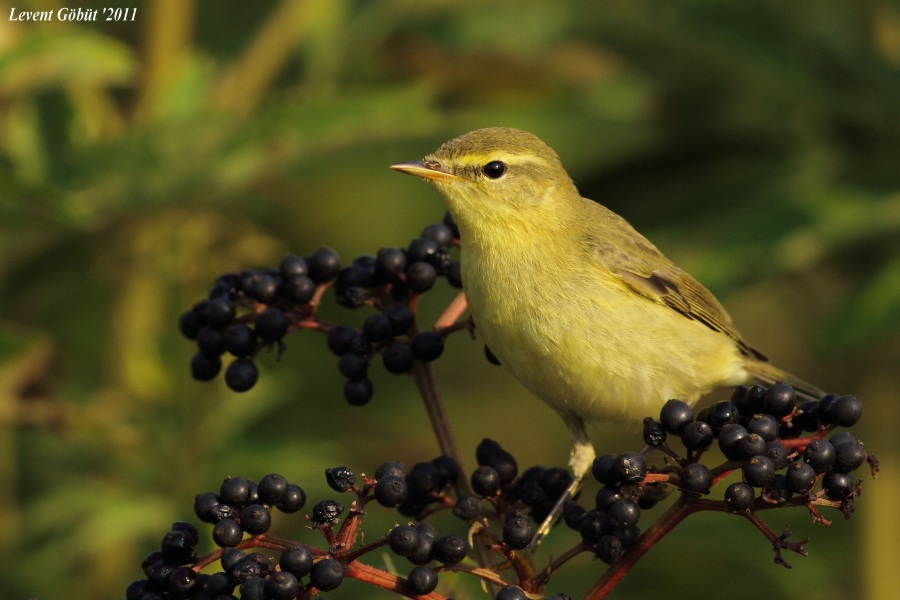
760, 432
777, 443
251, 310
778, 446
241, 507
240, 514
783, 448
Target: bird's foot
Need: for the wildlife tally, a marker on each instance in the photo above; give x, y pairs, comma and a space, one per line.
581, 459
556, 513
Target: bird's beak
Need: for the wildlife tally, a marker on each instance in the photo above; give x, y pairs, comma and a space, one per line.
428, 170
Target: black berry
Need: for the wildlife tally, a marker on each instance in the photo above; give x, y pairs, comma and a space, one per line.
292, 266
218, 584
403, 540
253, 588
765, 426
263, 288
420, 276
751, 445
353, 366
739, 496
358, 393
391, 491
722, 414
820, 455
511, 592
227, 533
401, 317
517, 532
219, 312
256, 519
182, 582
327, 574
390, 262
211, 341
606, 496
282, 586
845, 411
423, 250
240, 340
299, 289
394, 469
294, 499
422, 554
609, 548
422, 580
398, 358
849, 456
450, 549
241, 375
675, 416
807, 416
177, 548
467, 507
573, 513
378, 328
729, 440
629, 467
800, 477
778, 454
271, 324
205, 368
454, 274
324, 265
190, 323
838, 486
272, 488
696, 477
777, 491
204, 505
780, 399
339, 338
697, 435
235, 491
440, 233
758, 471
427, 346
297, 560
624, 513
603, 471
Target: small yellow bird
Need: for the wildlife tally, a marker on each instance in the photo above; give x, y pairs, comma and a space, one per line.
579, 306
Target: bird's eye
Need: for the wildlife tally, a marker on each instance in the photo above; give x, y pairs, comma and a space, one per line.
494, 169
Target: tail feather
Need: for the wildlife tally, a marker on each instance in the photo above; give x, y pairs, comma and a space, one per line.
768, 373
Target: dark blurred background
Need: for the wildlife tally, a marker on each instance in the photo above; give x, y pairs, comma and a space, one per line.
757, 143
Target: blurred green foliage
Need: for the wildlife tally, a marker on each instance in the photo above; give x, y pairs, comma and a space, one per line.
757, 142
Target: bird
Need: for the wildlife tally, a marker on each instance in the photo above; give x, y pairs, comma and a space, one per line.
575, 303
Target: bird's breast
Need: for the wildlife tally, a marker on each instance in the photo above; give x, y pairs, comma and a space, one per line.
583, 342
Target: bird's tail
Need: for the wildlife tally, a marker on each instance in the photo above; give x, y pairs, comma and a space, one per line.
769, 373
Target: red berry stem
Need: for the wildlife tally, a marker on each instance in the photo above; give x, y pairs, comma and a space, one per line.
384, 580
683, 507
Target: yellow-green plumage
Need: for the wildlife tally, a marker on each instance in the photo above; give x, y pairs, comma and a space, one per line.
581, 308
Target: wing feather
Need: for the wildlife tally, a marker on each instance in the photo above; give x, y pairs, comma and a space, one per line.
643, 268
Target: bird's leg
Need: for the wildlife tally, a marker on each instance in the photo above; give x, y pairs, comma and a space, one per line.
581, 459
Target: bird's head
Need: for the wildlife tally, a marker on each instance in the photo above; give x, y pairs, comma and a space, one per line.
495, 176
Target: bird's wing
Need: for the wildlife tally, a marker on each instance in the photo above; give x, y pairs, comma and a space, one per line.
643, 268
